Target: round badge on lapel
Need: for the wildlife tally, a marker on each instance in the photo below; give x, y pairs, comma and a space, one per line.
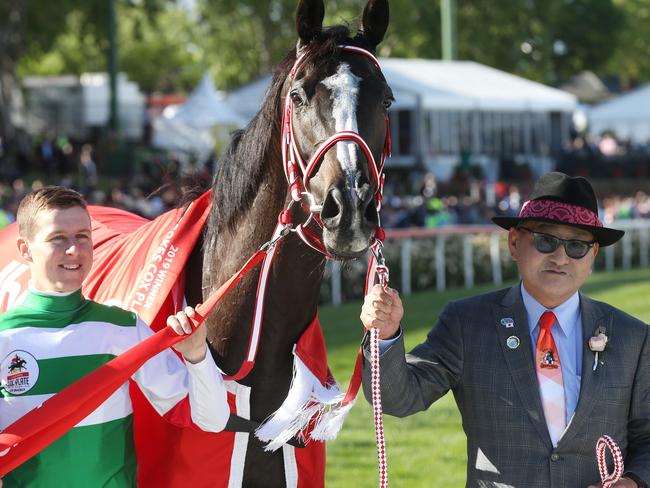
513, 342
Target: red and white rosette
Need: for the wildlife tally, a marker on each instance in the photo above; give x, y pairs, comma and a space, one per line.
608, 479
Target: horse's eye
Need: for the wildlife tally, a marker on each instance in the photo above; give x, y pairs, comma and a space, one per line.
296, 98
388, 102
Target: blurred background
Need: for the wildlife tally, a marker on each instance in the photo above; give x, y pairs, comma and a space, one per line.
116, 96
120, 98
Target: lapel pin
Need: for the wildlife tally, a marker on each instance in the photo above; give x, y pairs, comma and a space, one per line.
508, 323
513, 342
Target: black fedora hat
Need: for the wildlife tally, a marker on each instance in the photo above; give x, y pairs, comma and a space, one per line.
561, 199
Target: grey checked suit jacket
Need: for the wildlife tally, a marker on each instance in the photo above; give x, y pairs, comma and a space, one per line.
496, 391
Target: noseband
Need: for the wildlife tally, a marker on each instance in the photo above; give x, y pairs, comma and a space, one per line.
299, 173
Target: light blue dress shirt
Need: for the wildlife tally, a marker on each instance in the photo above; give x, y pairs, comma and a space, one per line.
568, 339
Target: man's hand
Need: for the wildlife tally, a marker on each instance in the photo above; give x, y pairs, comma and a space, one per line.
193, 348
622, 483
382, 310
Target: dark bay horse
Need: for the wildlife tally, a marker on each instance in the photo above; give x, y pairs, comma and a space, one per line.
332, 91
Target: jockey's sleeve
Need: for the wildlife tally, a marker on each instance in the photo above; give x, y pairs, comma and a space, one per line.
184, 394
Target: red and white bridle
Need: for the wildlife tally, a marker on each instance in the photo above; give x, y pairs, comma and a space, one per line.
299, 173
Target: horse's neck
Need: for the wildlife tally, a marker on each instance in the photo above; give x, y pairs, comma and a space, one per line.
292, 290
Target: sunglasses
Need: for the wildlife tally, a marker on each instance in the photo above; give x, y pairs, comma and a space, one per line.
546, 244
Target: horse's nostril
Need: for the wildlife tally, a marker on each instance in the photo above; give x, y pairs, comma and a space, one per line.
331, 205
370, 213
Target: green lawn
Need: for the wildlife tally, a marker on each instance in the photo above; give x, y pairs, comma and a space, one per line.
427, 449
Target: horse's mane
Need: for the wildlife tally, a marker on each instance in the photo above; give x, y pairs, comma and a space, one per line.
241, 169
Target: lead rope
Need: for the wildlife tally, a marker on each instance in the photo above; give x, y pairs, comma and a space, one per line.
378, 270
609, 479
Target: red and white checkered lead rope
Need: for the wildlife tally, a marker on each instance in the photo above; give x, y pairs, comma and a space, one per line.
380, 271
607, 478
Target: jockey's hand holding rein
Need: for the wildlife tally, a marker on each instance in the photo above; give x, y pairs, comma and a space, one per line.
382, 310
193, 348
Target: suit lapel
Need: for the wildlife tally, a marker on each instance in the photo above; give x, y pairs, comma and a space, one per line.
520, 359
591, 383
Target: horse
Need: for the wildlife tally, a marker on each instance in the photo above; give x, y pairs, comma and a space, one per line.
333, 91
327, 93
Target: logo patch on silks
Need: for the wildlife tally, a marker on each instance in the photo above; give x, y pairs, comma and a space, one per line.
18, 372
547, 359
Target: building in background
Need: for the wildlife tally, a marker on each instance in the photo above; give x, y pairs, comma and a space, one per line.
627, 116
450, 113
77, 106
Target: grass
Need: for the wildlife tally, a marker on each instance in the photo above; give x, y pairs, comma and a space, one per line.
427, 449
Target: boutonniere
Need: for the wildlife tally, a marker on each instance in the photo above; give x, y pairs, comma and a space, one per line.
597, 343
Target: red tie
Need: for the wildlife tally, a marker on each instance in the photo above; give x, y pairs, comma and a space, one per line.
549, 376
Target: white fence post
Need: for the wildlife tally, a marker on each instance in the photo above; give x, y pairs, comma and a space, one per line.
627, 250
440, 263
468, 261
405, 255
495, 259
643, 247
609, 258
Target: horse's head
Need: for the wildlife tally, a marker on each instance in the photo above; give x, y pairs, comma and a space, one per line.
337, 102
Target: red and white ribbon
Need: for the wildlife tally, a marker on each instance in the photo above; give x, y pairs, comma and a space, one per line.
608, 479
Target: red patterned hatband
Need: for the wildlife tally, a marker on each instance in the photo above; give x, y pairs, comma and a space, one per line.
560, 212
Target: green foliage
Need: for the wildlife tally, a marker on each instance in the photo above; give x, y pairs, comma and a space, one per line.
548, 41
157, 46
164, 54
630, 60
427, 449
166, 47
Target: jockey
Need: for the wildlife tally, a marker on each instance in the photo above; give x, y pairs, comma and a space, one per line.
56, 336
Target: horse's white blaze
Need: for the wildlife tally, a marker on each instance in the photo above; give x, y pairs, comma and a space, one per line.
344, 89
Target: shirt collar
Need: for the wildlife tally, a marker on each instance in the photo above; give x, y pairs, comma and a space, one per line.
567, 313
54, 302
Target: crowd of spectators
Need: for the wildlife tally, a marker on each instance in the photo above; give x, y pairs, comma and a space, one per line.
463, 200
605, 156
475, 201
410, 199
151, 190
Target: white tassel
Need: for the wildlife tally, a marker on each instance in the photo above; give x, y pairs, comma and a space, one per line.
308, 400
330, 423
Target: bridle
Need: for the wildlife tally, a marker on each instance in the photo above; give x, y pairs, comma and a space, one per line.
299, 173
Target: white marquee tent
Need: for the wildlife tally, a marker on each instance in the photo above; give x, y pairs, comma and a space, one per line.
454, 85
442, 107
194, 126
627, 115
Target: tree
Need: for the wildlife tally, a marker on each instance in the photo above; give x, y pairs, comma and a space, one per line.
630, 61
547, 41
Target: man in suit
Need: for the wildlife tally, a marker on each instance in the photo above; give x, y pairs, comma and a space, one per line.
521, 362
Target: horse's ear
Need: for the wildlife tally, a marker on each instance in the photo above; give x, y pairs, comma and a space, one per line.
374, 21
309, 20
